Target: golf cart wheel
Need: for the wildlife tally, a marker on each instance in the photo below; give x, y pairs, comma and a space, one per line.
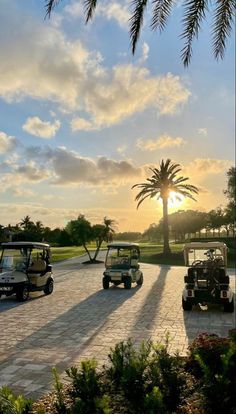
105, 283
140, 280
127, 282
187, 306
229, 306
49, 287
22, 294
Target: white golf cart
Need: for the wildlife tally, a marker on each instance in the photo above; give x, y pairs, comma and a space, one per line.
25, 267
122, 265
206, 280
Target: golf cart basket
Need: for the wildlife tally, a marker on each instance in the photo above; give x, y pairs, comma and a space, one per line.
206, 280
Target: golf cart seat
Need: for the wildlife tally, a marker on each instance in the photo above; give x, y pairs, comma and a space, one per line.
39, 266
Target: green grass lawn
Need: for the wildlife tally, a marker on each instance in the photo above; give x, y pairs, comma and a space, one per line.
150, 253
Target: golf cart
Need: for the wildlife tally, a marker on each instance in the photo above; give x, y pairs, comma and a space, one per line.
206, 280
24, 268
122, 265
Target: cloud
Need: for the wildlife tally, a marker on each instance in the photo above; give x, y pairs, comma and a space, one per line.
43, 129
23, 193
70, 168
7, 143
82, 124
27, 172
37, 59
115, 11
202, 131
145, 53
165, 141
205, 166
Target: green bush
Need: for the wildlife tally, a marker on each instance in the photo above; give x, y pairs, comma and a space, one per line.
11, 404
149, 378
88, 391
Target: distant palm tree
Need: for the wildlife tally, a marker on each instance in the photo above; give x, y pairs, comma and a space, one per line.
110, 228
163, 181
26, 223
222, 11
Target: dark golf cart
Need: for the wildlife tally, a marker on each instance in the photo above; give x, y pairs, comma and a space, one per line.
207, 280
25, 267
122, 265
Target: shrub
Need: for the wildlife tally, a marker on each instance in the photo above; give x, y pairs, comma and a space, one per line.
11, 404
87, 389
128, 368
216, 358
208, 348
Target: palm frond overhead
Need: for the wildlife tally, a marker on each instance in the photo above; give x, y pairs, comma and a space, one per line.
50, 5
194, 14
136, 21
90, 6
222, 27
193, 17
161, 12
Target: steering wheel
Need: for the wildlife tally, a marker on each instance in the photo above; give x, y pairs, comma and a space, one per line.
197, 263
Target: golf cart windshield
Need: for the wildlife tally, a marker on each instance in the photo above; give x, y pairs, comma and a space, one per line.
13, 259
205, 252
121, 257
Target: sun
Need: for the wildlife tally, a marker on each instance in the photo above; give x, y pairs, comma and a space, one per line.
175, 200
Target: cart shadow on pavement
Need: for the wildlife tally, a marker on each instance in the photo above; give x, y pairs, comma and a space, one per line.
145, 320
61, 341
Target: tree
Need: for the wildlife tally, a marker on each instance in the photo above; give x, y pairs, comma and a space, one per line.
26, 223
163, 181
82, 233
230, 192
110, 226
194, 14
216, 219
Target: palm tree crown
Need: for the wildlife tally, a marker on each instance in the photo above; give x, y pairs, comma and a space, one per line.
194, 13
163, 181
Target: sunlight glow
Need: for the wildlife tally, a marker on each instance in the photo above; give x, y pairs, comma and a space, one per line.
175, 200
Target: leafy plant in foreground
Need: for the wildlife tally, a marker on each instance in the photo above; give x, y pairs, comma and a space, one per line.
11, 404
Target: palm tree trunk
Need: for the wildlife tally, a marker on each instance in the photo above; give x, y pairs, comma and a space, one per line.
166, 247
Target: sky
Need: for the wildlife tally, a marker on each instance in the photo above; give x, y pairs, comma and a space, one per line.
82, 120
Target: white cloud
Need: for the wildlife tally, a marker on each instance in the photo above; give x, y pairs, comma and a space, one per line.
82, 124
115, 11
43, 129
165, 141
202, 131
121, 149
145, 53
39, 62
7, 143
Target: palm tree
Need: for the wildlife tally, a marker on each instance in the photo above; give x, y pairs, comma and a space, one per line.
110, 228
163, 181
194, 14
26, 223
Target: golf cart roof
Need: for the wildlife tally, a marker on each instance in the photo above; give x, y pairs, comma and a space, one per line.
123, 245
205, 245
29, 245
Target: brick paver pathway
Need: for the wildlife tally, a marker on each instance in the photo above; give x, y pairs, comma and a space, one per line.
81, 320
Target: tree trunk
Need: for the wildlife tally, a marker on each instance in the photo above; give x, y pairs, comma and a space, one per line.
97, 250
166, 247
88, 253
